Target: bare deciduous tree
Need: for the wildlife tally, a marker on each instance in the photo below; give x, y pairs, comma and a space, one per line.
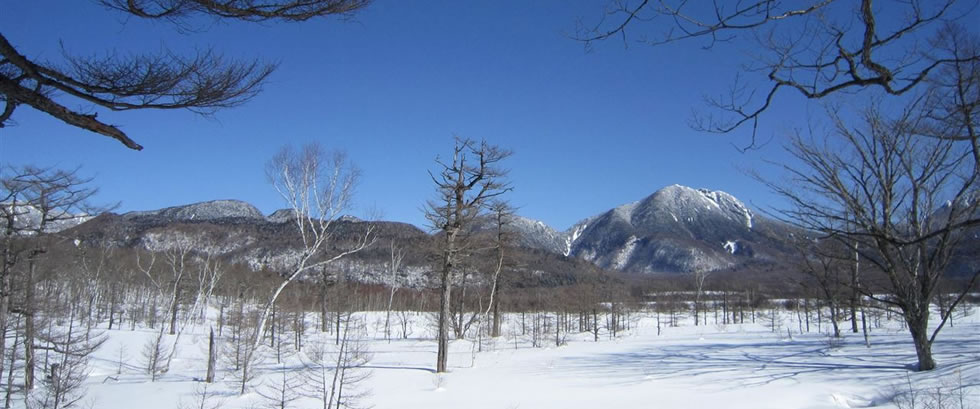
699, 276
203, 83
35, 201
502, 213
466, 183
334, 376
394, 264
816, 48
901, 200
318, 188
281, 394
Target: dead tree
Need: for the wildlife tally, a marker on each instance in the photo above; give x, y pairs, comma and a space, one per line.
202, 83
465, 183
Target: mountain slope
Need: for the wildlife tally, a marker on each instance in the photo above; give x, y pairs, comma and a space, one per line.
677, 229
237, 233
212, 210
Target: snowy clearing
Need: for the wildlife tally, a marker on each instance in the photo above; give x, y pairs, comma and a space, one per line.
731, 366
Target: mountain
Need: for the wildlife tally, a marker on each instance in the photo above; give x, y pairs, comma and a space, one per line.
239, 234
677, 229
213, 210
525, 232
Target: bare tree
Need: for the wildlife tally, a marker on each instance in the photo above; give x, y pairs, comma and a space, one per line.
204, 398
394, 264
822, 262
902, 201
502, 213
318, 188
334, 376
154, 356
35, 202
281, 394
64, 383
203, 83
465, 184
699, 276
816, 48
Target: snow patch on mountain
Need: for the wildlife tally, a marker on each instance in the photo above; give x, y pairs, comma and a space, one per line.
625, 211
624, 254
572, 235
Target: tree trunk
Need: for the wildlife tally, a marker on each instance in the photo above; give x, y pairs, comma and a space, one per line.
391, 300
324, 312
4, 309
174, 306
444, 317
919, 328
834, 310
495, 329
212, 357
856, 267
29, 327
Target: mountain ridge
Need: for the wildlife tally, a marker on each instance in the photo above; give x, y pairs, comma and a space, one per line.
676, 229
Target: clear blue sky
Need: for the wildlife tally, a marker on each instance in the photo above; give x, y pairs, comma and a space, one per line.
590, 131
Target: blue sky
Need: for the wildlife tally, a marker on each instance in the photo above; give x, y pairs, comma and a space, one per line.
590, 130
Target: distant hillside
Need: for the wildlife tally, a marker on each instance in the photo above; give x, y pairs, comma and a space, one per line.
239, 233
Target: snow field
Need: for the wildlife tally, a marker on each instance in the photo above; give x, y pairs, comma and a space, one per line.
708, 366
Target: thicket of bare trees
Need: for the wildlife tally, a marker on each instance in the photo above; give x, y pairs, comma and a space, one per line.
878, 186
902, 201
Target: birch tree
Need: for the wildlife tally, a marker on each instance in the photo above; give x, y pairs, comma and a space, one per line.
318, 188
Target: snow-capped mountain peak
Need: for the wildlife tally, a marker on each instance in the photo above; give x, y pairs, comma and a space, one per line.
676, 228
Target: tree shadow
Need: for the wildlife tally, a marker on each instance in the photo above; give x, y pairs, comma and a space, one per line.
767, 361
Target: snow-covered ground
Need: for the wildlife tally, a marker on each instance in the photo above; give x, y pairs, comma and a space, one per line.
713, 366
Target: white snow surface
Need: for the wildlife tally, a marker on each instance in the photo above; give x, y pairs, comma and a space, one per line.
625, 253
574, 233
731, 246
683, 197
708, 366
